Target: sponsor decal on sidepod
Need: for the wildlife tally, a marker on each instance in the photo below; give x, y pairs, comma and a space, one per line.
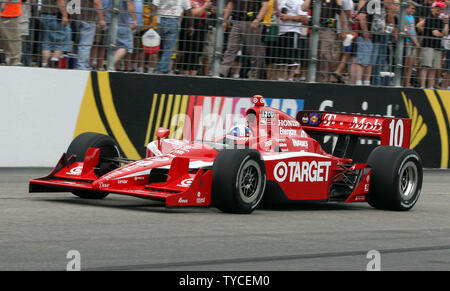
312, 171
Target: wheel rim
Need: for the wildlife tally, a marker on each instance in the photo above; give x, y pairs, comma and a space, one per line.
408, 180
249, 181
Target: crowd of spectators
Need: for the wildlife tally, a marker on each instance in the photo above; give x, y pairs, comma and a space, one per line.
263, 39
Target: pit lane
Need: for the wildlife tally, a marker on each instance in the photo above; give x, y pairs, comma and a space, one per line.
125, 233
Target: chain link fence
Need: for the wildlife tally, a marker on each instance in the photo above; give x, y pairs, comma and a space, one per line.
365, 42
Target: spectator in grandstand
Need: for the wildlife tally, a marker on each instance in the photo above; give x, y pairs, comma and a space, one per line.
246, 29
446, 46
411, 43
360, 4
302, 70
290, 41
10, 32
86, 26
208, 49
433, 29
55, 32
372, 44
327, 35
270, 34
447, 7
440, 79
423, 10
98, 49
241, 63
24, 27
149, 21
192, 38
344, 58
124, 35
131, 60
169, 13
383, 37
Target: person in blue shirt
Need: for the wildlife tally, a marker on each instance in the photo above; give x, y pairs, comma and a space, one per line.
411, 43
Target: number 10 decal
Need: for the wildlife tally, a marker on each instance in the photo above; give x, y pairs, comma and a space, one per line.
396, 132
396, 129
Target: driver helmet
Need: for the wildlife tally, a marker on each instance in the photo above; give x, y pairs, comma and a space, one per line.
240, 131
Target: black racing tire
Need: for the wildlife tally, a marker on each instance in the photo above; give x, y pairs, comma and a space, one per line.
108, 149
239, 181
396, 180
108, 146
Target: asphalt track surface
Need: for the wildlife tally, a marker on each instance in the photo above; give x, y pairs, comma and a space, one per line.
125, 233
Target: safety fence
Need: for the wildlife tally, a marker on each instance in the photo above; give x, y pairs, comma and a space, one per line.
361, 42
41, 118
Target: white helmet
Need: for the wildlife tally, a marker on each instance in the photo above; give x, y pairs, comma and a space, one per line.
240, 131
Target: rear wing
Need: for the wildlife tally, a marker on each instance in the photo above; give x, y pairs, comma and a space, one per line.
390, 131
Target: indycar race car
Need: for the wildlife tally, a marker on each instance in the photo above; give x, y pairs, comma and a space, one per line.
272, 157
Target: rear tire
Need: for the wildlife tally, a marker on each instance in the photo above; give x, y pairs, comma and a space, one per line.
108, 149
239, 180
397, 177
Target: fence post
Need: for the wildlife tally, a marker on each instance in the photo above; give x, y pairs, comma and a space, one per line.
400, 45
314, 41
112, 33
218, 40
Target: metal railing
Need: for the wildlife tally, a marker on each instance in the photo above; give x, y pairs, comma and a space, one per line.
360, 43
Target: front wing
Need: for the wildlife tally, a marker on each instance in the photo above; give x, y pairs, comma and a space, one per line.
70, 176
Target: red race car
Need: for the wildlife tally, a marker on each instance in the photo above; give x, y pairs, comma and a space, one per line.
272, 157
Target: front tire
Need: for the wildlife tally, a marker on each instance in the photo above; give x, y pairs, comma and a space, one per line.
78, 147
397, 177
108, 149
239, 180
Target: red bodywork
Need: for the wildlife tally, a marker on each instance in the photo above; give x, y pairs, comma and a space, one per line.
293, 159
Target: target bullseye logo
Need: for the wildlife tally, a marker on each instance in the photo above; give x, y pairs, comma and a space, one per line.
75, 171
186, 183
280, 171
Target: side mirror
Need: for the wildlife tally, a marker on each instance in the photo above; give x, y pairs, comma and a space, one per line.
161, 133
